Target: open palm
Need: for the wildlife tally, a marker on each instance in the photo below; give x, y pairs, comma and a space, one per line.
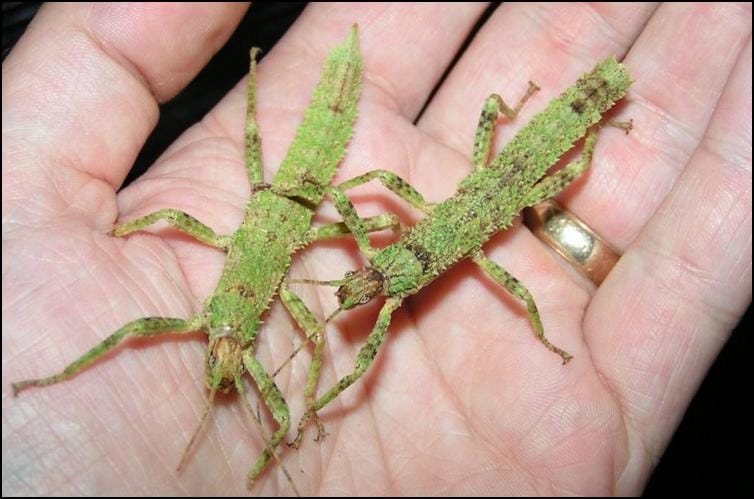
462, 399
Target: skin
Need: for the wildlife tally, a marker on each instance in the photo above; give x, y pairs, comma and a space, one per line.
464, 400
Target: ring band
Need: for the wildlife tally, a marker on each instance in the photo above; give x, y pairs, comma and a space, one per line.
573, 239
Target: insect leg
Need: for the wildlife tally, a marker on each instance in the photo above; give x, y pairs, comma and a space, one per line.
314, 331
146, 326
255, 417
393, 182
363, 360
514, 286
274, 400
552, 185
371, 224
181, 221
485, 130
352, 220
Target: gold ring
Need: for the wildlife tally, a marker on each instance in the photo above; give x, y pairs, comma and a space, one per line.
572, 239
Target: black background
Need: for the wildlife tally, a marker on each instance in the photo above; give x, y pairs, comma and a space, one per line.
711, 452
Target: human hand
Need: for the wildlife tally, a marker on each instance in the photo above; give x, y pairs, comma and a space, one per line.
462, 399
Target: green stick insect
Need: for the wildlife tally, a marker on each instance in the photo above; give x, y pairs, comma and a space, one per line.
486, 202
277, 223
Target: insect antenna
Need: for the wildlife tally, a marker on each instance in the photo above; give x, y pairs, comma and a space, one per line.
335, 282
332, 315
303, 343
202, 422
290, 357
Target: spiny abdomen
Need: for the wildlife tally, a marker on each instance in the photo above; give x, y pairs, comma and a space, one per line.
320, 142
554, 131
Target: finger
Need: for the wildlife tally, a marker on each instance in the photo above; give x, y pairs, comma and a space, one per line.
660, 318
80, 94
679, 65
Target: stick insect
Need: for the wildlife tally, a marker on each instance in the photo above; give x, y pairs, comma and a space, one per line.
277, 223
486, 202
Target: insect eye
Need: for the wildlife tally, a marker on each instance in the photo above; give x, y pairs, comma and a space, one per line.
212, 361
